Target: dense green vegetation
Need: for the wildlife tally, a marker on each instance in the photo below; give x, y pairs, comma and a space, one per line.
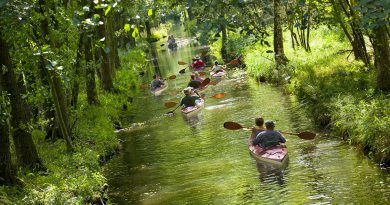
69, 71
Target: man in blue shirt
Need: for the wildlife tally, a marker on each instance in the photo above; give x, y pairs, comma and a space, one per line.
269, 137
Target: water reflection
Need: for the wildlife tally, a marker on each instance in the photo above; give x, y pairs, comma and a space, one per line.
193, 120
271, 173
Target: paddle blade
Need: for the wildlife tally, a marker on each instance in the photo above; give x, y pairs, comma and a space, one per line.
172, 77
307, 135
234, 62
232, 126
205, 82
182, 71
170, 104
181, 62
202, 73
213, 83
162, 45
219, 95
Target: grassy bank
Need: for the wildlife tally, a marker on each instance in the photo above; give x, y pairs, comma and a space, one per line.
75, 178
338, 91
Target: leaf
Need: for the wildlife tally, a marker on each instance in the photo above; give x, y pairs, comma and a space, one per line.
107, 50
3, 2
107, 10
150, 12
127, 27
135, 33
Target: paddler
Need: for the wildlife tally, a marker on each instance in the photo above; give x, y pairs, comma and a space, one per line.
269, 137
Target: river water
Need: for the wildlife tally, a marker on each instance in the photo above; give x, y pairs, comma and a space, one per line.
194, 160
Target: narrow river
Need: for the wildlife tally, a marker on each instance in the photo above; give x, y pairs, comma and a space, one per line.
194, 160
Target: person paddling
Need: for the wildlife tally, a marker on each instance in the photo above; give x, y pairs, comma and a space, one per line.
194, 83
217, 68
259, 121
269, 137
197, 63
156, 82
197, 77
189, 100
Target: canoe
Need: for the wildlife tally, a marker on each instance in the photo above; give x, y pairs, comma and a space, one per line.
275, 155
159, 90
218, 74
193, 109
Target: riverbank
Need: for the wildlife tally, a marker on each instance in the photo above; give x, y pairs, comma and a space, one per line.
338, 91
75, 177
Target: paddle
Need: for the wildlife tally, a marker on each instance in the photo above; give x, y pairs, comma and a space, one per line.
213, 83
181, 62
233, 62
172, 77
202, 73
182, 71
302, 135
205, 82
173, 104
163, 44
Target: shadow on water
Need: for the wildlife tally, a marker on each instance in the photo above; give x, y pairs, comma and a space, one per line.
272, 174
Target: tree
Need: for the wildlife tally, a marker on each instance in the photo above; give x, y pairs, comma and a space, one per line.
280, 57
7, 168
26, 152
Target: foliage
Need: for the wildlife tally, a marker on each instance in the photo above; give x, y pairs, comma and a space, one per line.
365, 122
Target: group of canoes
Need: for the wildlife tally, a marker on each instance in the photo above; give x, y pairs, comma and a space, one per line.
264, 144
192, 100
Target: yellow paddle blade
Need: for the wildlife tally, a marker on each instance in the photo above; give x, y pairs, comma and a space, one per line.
202, 73
170, 104
234, 62
219, 95
181, 62
172, 77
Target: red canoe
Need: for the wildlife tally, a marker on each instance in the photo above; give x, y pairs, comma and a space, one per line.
275, 155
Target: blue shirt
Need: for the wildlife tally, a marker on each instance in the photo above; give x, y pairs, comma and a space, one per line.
268, 138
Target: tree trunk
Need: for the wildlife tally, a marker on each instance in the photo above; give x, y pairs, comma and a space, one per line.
224, 41
76, 80
105, 70
382, 57
7, 168
90, 71
26, 152
189, 10
55, 83
280, 57
356, 38
148, 29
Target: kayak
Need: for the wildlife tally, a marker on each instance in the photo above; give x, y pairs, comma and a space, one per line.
218, 74
193, 109
159, 90
274, 155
